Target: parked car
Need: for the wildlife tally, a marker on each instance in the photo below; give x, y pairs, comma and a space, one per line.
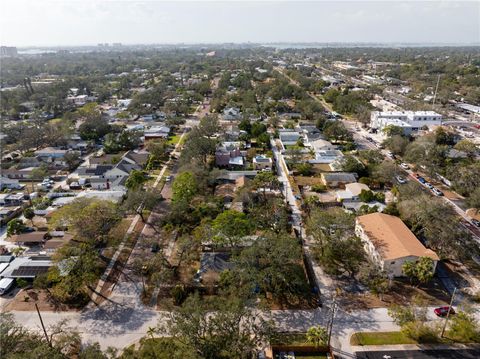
437, 192
443, 311
401, 180
428, 185
404, 166
421, 180
390, 155
168, 178
6, 284
476, 222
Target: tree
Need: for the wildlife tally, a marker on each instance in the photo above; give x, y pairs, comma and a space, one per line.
234, 331
317, 336
396, 144
325, 224
392, 130
343, 256
230, 226
352, 164
184, 187
468, 147
139, 200
385, 172
201, 141
135, 180
15, 226
90, 219
16, 342
421, 270
28, 213
367, 196
464, 326
336, 131
272, 264
474, 199
264, 181
158, 149
94, 126
39, 172
72, 160
413, 321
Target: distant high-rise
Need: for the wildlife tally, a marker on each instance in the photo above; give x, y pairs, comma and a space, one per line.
8, 51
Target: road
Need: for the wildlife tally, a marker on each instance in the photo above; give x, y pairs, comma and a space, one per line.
360, 138
323, 282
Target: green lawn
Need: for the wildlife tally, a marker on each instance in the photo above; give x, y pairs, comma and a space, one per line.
175, 139
380, 338
290, 339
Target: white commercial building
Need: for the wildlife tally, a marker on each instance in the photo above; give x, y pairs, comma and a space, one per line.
410, 121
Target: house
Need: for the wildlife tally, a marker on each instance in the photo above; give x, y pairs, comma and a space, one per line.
51, 154
156, 132
232, 114
352, 192
212, 263
288, 137
58, 239
108, 195
262, 162
229, 157
319, 144
27, 267
8, 199
326, 156
28, 238
338, 179
99, 183
389, 242
8, 183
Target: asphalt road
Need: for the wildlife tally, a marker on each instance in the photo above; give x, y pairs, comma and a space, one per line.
421, 354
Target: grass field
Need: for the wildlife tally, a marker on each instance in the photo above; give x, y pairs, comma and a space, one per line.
380, 338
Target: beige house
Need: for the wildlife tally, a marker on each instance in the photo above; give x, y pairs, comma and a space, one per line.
389, 242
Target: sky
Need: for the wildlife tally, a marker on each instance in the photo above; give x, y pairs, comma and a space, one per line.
88, 22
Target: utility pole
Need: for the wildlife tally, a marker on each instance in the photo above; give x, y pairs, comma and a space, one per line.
448, 313
330, 323
43, 326
435, 94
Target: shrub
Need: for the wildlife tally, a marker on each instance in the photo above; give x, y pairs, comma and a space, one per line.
178, 294
22, 283
319, 188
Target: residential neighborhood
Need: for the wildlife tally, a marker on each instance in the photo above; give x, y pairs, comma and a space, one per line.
239, 200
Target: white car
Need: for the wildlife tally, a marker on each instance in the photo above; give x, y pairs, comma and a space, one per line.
437, 192
404, 166
428, 185
401, 180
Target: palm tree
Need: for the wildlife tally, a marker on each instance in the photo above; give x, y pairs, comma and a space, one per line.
151, 331
317, 336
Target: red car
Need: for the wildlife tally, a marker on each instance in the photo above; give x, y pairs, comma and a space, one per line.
443, 311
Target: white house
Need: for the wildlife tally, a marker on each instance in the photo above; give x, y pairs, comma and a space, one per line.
232, 114
352, 192
9, 183
409, 121
389, 242
288, 137
262, 162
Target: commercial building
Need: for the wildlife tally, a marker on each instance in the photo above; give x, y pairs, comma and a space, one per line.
389, 242
409, 121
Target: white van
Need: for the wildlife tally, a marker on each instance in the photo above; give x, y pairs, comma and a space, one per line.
5, 285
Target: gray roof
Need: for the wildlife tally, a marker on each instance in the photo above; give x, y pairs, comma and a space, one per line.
340, 177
